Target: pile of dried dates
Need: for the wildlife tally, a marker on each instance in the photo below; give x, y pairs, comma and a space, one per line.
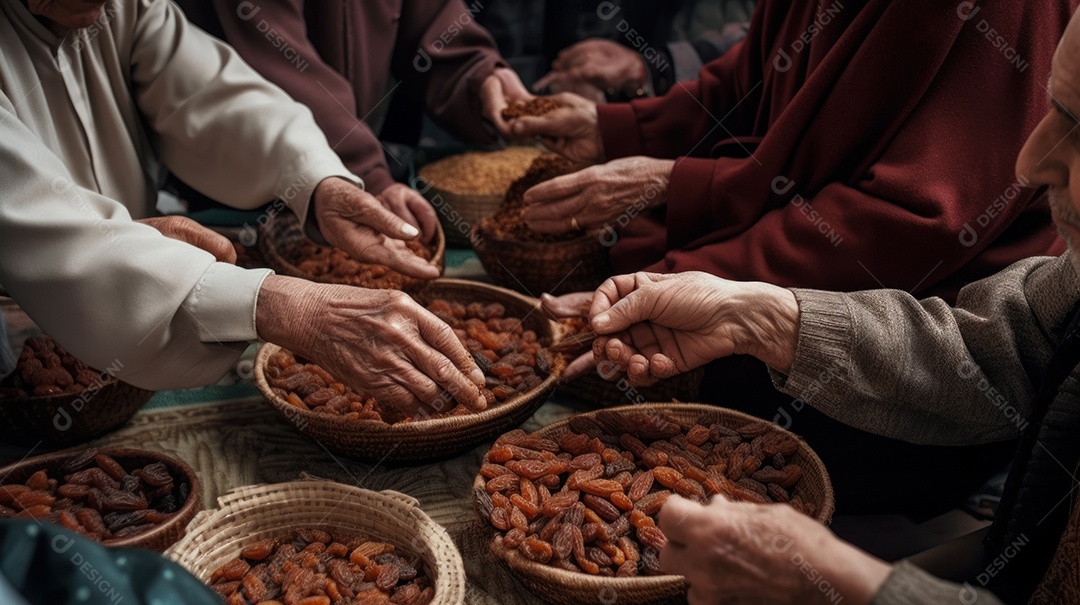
314, 567
512, 358
332, 264
509, 222
95, 495
45, 368
589, 501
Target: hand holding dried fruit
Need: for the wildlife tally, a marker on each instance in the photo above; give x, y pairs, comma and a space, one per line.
379, 342
655, 326
607, 195
572, 130
730, 551
353, 220
314, 567
500, 90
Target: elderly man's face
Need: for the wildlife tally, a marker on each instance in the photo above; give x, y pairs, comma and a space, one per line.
72, 14
1051, 155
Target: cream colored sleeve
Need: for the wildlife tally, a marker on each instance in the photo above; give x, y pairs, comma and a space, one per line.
115, 293
219, 125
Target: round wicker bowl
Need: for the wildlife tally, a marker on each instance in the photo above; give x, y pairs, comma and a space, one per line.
256, 512
62, 420
533, 268
157, 539
570, 588
437, 438
282, 230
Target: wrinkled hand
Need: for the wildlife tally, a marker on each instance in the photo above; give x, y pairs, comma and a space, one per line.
188, 231
656, 326
602, 63
353, 220
379, 342
732, 551
575, 304
572, 130
607, 194
407, 204
500, 90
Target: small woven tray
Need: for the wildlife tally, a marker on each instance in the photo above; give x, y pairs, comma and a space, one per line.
570, 588
533, 268
61, 420
256, 512
438, 438
158, 538
278, 234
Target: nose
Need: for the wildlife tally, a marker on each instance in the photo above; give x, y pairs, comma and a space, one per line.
1042, 161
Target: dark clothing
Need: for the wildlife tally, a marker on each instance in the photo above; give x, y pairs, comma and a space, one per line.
339, 58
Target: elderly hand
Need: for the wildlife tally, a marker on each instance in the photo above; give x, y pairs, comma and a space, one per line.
571, 130
732, 551
575, 304
409, 205
656, 326
379, 342
188, 231
500, 90
599, 62
353, 220
606, 195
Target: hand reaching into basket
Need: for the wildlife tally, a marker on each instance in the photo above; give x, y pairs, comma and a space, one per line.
410, 206
608, 195
734, 551
656, 326
500, 90
571, 130
379, 342
358, 223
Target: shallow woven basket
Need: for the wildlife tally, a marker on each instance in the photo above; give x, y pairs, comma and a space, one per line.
437, 438
533, 268
157, 539
283, 229
592, 387
256, 512
62, 420
571, 588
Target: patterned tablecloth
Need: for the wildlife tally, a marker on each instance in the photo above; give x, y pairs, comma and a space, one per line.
238, 442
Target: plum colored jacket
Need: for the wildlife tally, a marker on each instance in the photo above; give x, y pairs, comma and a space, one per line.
847, 145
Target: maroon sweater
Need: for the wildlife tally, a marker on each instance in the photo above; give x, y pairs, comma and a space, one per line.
883, 139
337, 56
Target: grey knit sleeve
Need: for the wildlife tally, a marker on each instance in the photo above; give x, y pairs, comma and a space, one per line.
925, 372
909, 585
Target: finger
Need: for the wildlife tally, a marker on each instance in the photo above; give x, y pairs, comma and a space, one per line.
438, 368
575, 304
421, 386
609, 292
215, 244
632, 308
553, 124
425, 214
637, 370
676, 520
364, 209
662, 366
559, 227
558, 188
578, 368
673, 558
398, 258
492, 104
441, 338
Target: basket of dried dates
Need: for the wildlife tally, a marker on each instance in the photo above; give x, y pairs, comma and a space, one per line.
55, 399
507, 339
322, 542
121, 497
285, 249
517, 257
573, 507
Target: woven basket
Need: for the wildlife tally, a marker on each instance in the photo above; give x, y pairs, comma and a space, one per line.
438, 438
570, 588
533, 268
256, 512
282, 230
62, 420
156, 539
459, 212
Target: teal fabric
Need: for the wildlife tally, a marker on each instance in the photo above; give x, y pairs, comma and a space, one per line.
48, 565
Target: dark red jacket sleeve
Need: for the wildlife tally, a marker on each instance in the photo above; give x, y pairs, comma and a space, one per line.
882, 156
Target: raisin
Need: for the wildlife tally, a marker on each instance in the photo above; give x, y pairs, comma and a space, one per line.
34, 498
585, 461
110, 466
388, 576
526, 507
494, 470
235, 569
563, 542
622, 501
558, 503
641, 485
688, 488
156, 474
604, 508
116, 500
500, 519
600, 487
253, 587
651, 504
651, 537
258, 551
77, 462
667, 476
73, 491
39, 481
513, 538
502, 483
777, 493
8, 493
536, 550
